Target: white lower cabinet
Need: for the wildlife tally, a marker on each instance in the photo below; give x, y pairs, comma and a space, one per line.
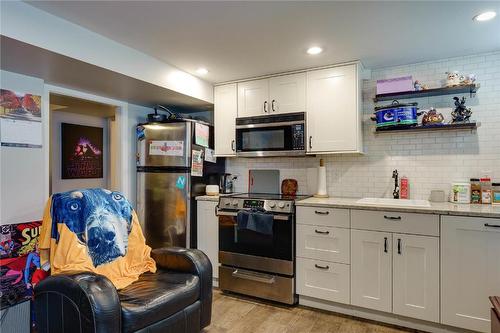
208, 233
323, 243
470, 270
323, 279
395, 273
371, 264
416, 276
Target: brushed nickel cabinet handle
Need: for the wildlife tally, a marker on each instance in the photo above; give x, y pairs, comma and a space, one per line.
321, 213
321, 267
272, 105
321, 232
385, 244
265, 106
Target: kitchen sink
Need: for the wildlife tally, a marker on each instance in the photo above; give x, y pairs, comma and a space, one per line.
394, 202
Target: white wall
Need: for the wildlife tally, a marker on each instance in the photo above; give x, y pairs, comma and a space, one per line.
136, 114
58, 35
22, 171
431, 160
63, 185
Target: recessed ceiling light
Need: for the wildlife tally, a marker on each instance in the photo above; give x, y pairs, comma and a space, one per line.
202, 71
486, 16
314, 50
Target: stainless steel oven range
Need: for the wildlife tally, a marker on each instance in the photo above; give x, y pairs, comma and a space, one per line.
257, 245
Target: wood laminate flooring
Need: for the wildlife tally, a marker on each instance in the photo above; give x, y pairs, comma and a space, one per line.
239, 314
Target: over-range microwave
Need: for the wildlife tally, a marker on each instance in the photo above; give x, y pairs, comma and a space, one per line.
271, 135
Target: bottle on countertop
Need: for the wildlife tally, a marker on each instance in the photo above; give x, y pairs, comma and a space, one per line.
405, 188
475, 191
495, 193
486, 190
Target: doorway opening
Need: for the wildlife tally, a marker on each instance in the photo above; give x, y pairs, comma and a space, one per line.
83, 150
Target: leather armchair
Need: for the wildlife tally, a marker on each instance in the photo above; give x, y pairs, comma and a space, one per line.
177, 298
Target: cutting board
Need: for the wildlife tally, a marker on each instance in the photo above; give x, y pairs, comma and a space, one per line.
264, 181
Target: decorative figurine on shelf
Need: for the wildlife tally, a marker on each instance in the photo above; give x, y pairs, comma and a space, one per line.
468, 79
432, 117
461, 112
452, 79
418, 86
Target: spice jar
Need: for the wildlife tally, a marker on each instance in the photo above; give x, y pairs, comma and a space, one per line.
485, 190
475, 191
495, 193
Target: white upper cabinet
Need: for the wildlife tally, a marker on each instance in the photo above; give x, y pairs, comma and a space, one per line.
371, 267
331, 99
333, 110
253, 98
279, 94
287, 93
225, 112
416, 276
470, 270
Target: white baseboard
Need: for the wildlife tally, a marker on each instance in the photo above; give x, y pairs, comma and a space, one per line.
378, 316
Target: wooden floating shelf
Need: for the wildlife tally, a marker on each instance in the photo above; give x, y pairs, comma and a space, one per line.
465, 89
419, 128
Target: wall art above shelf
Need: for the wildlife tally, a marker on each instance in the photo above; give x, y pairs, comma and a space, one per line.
436, 127
462, 89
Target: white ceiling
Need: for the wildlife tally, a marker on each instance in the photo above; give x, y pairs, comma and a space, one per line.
237, 40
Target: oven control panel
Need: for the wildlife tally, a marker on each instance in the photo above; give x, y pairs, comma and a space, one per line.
253, 204
234, 204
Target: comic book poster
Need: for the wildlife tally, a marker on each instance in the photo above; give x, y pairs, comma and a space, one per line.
81, 151
19, 262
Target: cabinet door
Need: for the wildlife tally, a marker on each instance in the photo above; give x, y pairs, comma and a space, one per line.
253, 98
208, 233
323, 243
371, 263
416, 276
225, 112
470, 270
323, 280
332, 109
287, 93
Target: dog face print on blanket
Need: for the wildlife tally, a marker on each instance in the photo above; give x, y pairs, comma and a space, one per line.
101, 219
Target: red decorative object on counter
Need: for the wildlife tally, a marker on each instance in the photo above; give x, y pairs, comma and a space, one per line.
289, 187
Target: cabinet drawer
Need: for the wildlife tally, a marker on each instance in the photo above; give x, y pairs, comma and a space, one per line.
323, 243
329, 217
323, 280
399, 222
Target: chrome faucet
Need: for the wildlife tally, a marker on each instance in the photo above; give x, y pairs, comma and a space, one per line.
395, 193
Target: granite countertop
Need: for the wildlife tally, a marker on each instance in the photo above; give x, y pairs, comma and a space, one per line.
207, 198
212, 197
442, 208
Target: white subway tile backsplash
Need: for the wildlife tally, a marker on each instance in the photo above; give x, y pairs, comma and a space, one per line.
431, 160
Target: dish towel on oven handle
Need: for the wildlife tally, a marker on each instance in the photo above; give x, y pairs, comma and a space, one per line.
255, 220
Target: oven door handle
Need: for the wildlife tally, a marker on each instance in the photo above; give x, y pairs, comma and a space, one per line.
254, 276
276, 217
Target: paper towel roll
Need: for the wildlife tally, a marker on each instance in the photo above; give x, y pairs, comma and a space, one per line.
321, 192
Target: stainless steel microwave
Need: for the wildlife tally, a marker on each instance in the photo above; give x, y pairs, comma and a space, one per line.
271, 135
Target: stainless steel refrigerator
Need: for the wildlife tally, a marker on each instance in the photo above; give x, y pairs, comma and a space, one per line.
166, 185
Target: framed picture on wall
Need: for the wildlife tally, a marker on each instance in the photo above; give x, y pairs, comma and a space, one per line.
81, 151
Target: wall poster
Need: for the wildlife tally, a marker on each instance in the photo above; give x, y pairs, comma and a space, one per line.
20, 119
81, 153
20, 267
